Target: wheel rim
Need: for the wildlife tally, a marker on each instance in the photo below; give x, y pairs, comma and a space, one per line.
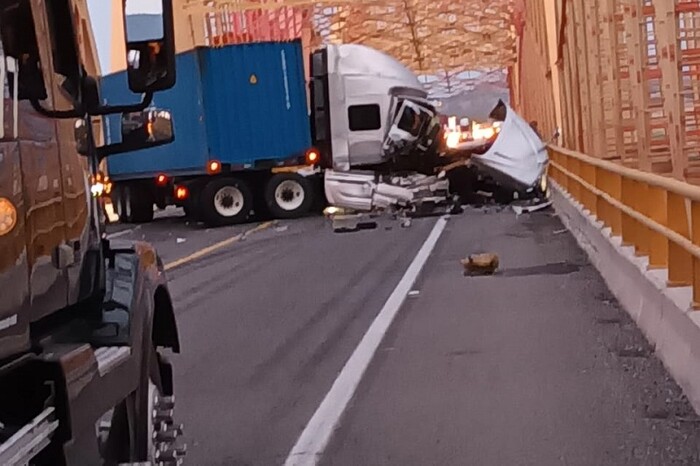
162, 433
154, 425
229, 201
289, 195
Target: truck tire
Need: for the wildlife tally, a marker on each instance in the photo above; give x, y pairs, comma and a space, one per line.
289, 195
133, 204
225, 201
130, 435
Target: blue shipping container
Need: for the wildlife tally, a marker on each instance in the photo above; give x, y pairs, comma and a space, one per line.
239, 104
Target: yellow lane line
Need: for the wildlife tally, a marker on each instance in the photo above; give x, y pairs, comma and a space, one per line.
215, 247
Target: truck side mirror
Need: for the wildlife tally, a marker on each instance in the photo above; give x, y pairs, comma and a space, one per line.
150, 45
149, 128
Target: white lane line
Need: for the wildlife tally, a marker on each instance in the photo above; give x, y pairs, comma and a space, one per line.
317, 433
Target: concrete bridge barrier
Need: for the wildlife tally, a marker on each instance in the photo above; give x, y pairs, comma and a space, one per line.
642, 232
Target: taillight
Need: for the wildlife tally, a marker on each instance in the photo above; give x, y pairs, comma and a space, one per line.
161, 180
181, 193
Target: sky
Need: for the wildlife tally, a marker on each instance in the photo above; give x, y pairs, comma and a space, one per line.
100, 16
100, 12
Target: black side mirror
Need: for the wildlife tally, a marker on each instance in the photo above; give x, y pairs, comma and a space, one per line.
140, 130
145, 129
150, 45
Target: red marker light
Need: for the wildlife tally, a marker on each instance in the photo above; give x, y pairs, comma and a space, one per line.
181, 193
214, 167
161, 180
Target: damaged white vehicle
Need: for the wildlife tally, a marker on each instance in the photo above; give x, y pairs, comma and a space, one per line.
382, 147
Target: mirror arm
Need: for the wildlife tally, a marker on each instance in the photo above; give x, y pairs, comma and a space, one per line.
111, 149
60, 114
112, 109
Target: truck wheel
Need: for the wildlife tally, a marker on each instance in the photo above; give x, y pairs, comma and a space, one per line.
289, 195
226, 201
141, 427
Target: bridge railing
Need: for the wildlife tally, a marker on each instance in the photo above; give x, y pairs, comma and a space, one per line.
658, 216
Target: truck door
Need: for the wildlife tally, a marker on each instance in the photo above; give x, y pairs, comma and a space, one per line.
37, 146
14, 261
366, 131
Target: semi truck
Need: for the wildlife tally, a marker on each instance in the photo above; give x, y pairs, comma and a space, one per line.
85, 323
245, 142
369, 140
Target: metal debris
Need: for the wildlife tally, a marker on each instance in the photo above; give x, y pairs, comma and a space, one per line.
519, 210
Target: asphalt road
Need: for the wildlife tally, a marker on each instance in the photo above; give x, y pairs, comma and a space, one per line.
267, 323
536, 365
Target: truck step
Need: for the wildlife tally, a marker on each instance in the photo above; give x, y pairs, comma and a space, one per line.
109, 357
29, 440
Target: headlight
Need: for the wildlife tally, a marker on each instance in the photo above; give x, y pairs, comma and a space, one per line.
332, 210
97, 189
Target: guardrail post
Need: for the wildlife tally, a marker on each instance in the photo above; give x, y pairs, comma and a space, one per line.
629, 231
556, 160
680, 261
602, 207
657, 204
615, 187
565, 182
615, 191
695, 232
590, 198
640, 203
573, 166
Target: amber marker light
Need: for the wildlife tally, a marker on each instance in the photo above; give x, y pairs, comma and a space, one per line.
312, 156
214, 167
8, 216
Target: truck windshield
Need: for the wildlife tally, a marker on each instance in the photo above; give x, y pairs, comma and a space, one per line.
410, 121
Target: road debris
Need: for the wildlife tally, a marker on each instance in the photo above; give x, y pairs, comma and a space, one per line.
559, 232
480, 264
413, 294
282, 228
180, 240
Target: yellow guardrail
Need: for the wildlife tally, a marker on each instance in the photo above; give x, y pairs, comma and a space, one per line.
657, 215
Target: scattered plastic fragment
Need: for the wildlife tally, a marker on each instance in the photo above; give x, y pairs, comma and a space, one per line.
181, 240
282, 228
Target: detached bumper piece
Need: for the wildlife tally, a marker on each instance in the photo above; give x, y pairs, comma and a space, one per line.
359, 198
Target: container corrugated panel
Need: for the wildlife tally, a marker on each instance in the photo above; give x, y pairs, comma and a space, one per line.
255, 102
188, 153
